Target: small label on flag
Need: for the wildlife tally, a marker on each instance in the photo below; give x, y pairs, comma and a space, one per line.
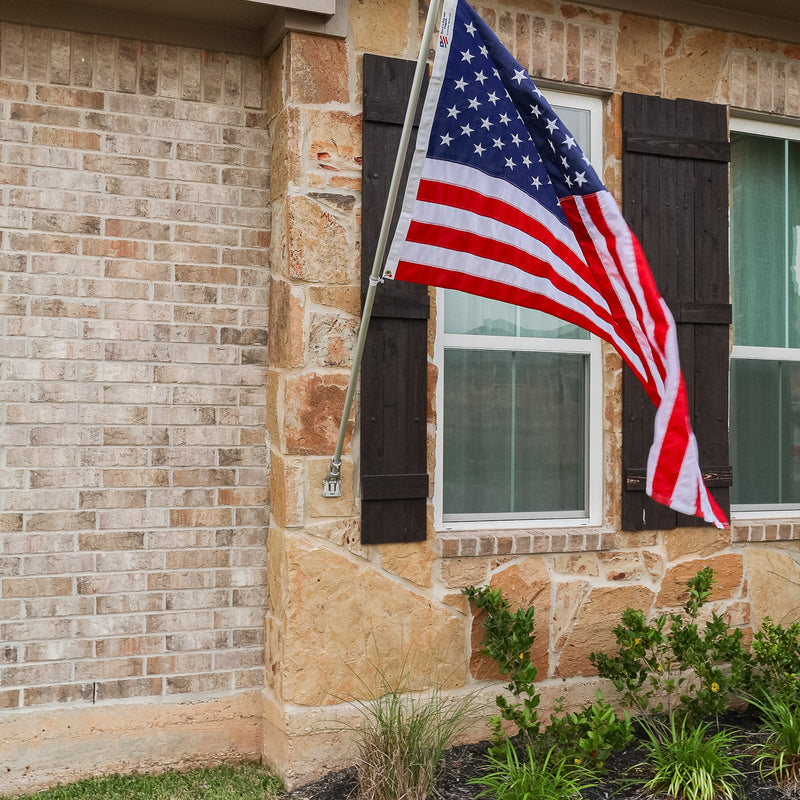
446, 27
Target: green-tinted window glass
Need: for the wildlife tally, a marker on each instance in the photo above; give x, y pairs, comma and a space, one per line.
765, 290
514, 432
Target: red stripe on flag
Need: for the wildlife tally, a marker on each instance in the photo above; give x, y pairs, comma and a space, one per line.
463, 198
493, 250
624, 325
450, 279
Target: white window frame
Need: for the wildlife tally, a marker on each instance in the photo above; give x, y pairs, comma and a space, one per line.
782, 131
591, 347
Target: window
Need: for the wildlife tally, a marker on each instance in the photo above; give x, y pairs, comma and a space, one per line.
519, 399
765, 288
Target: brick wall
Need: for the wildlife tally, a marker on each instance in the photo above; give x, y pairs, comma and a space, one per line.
133, 261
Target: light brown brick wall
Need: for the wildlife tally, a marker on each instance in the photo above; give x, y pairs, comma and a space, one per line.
135, 231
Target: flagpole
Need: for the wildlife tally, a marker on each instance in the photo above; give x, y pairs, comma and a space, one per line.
332, 485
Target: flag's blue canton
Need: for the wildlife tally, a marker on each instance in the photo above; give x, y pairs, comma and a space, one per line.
492, 117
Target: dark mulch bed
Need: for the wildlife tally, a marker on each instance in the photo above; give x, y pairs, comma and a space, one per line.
466, 762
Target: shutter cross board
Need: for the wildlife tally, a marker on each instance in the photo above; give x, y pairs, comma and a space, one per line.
394, 369
675, 198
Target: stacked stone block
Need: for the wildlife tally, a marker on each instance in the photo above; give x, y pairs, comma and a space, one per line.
135, 231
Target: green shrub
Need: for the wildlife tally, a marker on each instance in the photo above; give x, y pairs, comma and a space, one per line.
508, 639
688, 764
587, 737
678, 660
547, 778
590, 736
776, 657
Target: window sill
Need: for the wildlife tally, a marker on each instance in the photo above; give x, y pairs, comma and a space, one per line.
765, 530
456, 544
466, 543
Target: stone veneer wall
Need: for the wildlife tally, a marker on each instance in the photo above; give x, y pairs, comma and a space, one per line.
336, 608
135, 231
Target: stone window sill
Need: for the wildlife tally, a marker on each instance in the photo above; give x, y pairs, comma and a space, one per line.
765, 530
459, 544
455, 544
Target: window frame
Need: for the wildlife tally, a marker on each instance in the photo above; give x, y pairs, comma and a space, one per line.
590, 347
783, 131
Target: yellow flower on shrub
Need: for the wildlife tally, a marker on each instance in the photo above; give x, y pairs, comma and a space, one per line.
715, 687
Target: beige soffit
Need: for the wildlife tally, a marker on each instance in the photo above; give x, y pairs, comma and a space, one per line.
251, 27
772, 19
255, 27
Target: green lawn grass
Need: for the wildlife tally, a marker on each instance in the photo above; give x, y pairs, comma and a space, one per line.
242, 782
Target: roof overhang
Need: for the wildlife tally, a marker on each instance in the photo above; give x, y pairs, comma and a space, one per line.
773, 19
254, 27
251, 27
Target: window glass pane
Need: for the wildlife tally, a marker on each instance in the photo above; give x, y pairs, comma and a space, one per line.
758, 240
479, 316
468, 314
545, 326
514, 432
550, 462
477, 431
793, 243
765, 431
754, 431
578, 120
790, 432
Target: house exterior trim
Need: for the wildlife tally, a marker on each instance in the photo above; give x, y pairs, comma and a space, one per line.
249, 27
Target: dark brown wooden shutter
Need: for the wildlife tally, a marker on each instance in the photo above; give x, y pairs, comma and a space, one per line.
675, 198
394, 472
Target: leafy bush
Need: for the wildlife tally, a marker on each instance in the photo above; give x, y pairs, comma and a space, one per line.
776, 656
590, 736
586, 738
688, 764
677, 660
508, 639
547, 778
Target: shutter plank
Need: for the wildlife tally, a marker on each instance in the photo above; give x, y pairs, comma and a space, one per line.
677, 152
394, 480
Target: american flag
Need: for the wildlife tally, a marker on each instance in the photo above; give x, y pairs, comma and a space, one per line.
501, 202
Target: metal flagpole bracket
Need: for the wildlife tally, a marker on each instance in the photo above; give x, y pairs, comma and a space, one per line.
332, 485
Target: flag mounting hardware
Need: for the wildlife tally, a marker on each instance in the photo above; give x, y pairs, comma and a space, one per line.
332, 484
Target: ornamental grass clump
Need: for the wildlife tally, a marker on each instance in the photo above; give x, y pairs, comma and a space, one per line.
401, 740
686, 763
778, 757
546, 778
